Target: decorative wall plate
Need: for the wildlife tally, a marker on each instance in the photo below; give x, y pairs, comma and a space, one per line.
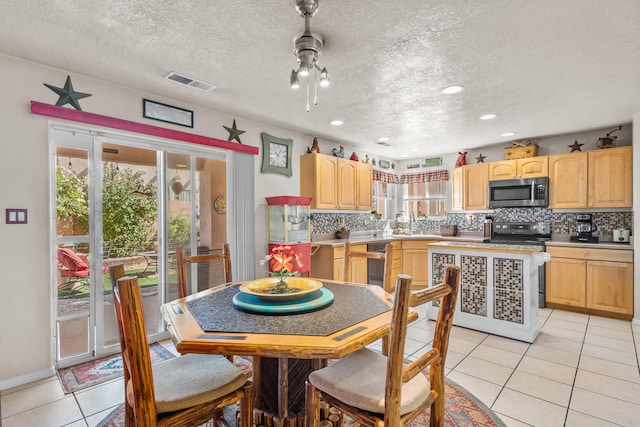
220, 205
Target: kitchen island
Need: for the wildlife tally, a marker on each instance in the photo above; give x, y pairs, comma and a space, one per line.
498, 291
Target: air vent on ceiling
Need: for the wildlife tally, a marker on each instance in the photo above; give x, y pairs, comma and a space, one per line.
383, 143
198, 84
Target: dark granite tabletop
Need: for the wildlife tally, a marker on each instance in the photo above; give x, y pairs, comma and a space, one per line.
215, 312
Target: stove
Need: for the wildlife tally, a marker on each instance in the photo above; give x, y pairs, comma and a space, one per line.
524, 233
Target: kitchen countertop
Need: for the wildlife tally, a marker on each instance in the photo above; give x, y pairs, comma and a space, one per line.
487, 247
564, 240
355, 238
470, 237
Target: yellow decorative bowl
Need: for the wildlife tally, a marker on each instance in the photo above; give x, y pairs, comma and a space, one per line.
265, 288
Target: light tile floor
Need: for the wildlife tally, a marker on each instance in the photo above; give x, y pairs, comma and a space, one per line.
581, 371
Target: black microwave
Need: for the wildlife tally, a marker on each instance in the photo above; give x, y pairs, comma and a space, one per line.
514, 193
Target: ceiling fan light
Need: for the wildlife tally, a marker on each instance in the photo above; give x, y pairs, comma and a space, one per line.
324, 77
304, 68
295, 83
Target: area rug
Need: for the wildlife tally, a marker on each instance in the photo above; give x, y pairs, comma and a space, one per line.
89, 374
461, 410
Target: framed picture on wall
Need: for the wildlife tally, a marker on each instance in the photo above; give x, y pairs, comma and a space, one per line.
167, 113
384, 164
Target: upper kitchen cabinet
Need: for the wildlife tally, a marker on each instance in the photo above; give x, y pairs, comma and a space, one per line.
469, 185
609, 178
318, 177
364, 187
594, 179
532, 167
336, 183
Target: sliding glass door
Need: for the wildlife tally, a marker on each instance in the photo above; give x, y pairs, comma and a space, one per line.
132, 202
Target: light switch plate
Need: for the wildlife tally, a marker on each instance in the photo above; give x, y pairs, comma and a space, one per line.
16, 216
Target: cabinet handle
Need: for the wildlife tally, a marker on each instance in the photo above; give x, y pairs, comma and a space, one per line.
581, 262
590, 263
586, 252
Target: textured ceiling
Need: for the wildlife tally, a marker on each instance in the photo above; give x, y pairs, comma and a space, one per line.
543, 67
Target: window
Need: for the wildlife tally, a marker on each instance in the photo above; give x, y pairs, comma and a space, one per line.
384, 193
425, 194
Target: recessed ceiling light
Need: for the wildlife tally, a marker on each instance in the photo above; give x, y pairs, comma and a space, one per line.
414, 150
336, 122
508, 134
450, 90
404, 155
488, 117
383, 139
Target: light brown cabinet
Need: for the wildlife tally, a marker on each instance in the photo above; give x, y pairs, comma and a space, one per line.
469, 186
532, 167
593, 179
328, 263
335, 183
396, 263
364, 187
598, 281
415, 262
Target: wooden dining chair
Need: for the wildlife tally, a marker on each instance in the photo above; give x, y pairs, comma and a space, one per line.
351, 256
376, 390
209, 260
184, 391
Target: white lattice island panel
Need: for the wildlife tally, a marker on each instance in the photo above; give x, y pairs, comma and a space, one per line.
498, 290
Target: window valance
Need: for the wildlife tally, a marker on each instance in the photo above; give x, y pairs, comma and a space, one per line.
416, 178
389, 178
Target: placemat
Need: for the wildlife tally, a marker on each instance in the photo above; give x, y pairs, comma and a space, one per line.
215, 313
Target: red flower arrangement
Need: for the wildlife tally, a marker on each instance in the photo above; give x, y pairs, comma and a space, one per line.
282, 260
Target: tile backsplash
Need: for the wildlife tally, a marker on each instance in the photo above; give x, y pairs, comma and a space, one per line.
561, 223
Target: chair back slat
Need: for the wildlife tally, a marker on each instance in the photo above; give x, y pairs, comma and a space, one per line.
135, 352
395, 360
209, 266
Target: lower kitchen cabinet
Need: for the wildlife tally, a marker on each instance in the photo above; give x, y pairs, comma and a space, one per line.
596, 281
328, 263
415, 262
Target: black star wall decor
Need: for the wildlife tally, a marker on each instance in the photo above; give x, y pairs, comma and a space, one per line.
480, 158
234, 132
575, 146
68, 95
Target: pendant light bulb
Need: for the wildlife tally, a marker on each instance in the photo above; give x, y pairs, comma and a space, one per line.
324, 77
295, 83
304, 68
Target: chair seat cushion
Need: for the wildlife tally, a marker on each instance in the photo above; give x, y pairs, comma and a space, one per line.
194, 379
359, 380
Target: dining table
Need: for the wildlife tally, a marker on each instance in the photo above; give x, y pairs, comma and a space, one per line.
285, 347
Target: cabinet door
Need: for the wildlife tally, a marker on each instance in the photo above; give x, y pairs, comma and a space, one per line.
396, 264
364, 188
346, 184
566, 281
415, 262
318, 180
610, 177
457, 189
533, 167
568, 180
505, 169
358, 266
610, 286
476, 182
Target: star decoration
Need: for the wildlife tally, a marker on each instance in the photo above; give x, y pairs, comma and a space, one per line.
68, 95
575, 146
480, 158
234, 132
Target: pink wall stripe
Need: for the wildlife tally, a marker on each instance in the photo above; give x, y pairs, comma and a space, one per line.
111, 122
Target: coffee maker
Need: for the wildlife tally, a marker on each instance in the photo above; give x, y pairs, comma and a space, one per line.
585, 228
